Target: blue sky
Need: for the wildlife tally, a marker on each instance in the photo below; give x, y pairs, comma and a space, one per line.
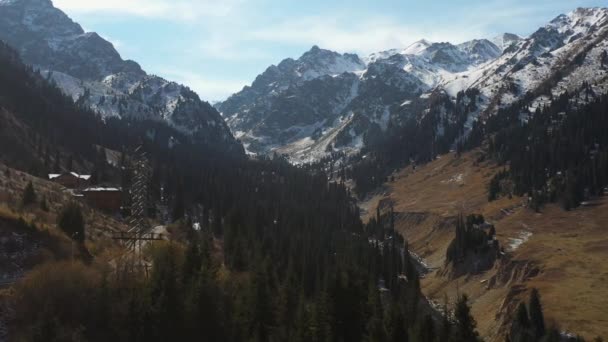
218, 46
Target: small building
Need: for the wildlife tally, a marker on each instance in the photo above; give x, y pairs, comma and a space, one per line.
70, 180
104, 198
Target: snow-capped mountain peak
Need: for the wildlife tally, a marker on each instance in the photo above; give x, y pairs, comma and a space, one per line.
505, 40
578, 22
417, 48
326, 101
89, 69
320, 62
480, 50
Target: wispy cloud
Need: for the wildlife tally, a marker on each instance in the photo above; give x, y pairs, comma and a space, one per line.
239, 38
365, 36
228, 47
209, 89
174, 10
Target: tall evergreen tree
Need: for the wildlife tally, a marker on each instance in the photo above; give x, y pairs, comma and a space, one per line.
71, 221
29, 195
537, 318
521, 330
465, 323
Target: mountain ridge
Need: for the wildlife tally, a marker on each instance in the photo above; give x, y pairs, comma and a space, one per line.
90, 70
490, 66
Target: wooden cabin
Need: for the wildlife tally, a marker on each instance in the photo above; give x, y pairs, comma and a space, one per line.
104, 198
70, 180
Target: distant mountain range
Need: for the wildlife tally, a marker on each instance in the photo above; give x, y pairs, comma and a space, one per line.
327, 102
323, 102
88, 68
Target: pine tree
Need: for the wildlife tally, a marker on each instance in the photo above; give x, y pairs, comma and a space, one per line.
537, 319
57, 163
553, 335
446, 326
69, 163
192, 263
494, 188
71, 221
29, 195
465, 323
398, 330
44, 205
179, 206
375, 323
426, 330
164, 295
521, 328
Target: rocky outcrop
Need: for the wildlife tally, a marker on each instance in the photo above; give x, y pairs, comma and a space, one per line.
88, 68
510, 272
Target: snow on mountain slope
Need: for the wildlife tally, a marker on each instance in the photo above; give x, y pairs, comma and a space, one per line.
312, 103
505, 40
88, 68
559, 56
480, 51
417, 48
326, 102
317, 62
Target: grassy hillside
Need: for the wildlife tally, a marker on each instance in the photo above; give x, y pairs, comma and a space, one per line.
559, 252
99, 226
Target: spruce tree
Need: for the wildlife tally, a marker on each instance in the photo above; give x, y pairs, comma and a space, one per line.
426, 330
465, 323
521, 328
446, 325
192, 263
29, 195
44, 205
537, 318
375, 326
71, 221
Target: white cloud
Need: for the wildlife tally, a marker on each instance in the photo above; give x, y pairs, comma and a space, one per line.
208, 89
366, 36
228, 32
188, 10
117, 43
228, 47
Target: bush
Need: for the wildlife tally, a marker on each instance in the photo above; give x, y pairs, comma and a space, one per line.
44, 205
29, 195
71, 221
55, 301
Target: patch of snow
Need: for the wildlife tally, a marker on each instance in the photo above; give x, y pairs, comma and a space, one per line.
457, 178
523, 237
417, 48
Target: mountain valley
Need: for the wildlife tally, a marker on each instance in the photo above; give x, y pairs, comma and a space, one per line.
435, 192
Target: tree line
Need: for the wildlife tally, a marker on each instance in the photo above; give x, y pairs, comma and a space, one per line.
558, 153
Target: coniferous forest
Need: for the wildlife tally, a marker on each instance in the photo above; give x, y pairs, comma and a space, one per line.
556, 153
295, 262
254, 248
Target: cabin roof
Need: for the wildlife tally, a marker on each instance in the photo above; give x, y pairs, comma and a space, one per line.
57, 175
102, 189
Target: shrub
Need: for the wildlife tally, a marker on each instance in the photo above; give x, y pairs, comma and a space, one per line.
55, 301
71, 221
29, 195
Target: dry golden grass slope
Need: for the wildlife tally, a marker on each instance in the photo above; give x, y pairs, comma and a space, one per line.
563, 254
99, 226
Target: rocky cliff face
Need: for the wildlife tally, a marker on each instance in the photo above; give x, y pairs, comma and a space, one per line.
326, 102
88, 68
